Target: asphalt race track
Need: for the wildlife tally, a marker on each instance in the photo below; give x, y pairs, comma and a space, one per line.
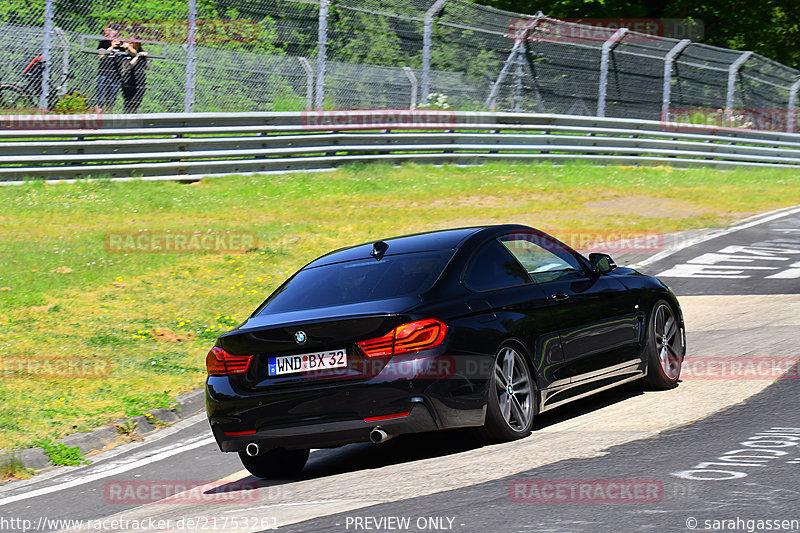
719, 453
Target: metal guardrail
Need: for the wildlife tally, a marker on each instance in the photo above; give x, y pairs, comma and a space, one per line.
192, 146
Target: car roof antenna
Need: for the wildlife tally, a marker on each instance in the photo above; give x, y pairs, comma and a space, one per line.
378, 249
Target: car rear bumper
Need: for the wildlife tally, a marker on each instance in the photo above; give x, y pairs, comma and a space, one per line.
337, 413
326, 434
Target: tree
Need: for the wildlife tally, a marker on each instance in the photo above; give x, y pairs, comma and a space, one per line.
768, 27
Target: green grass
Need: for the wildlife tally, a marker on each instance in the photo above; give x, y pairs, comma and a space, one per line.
138, 326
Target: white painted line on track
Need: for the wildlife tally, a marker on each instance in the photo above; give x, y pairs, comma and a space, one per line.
747, 223
127, 448
291, 504
114, 468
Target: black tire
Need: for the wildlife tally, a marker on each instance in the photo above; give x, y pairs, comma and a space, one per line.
277, 463
511, 401
14, 97
665, 348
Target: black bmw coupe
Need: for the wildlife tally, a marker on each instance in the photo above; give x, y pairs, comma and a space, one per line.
481, 327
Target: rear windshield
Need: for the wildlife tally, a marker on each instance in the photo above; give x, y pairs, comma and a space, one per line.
358, 281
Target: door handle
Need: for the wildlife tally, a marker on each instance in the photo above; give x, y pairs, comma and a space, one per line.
559, 296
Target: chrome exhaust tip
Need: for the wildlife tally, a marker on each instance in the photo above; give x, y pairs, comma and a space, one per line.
378, 435
252, 449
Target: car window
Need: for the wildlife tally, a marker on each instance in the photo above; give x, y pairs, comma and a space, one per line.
358, 281
493, 267
543, 258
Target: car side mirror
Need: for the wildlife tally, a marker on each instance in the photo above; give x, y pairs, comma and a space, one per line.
601, 263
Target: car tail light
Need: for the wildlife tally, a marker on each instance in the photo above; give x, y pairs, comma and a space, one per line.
409, 337
221, 363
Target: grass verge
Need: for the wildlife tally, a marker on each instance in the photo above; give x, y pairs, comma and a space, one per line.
88, 335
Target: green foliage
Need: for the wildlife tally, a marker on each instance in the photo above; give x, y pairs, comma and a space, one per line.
138, 404
72, 103
12, 468
61, 454
366, 38
127, 428
155, 421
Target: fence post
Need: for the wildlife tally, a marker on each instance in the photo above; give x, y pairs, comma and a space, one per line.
412, 79
608, 47
427, 37
669, 59
191, 46
64, 60
517, 98
309, 81
322, 42
46, 46
511, 59
732, 71
791, 119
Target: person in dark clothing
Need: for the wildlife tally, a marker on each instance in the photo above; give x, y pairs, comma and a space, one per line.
134, 76
108, 70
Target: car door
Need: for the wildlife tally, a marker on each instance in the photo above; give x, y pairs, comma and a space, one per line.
519, 307
596, 315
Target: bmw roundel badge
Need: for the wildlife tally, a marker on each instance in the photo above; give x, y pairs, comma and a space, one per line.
300, 337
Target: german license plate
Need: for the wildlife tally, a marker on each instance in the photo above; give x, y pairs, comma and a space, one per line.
307, 362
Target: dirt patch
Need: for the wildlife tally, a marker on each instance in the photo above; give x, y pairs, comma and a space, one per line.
648, 207
549, 221
167, 335
464, 223
476, 201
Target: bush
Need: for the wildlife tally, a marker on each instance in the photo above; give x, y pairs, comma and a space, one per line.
72, 103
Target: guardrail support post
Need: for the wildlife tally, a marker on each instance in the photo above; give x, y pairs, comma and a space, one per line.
608, 47
309, 82
517, 98
191, 65
427, 37
412, 79
732, 71
46, 46
64, 61
322, 43
669, 59
791, 120
511, 59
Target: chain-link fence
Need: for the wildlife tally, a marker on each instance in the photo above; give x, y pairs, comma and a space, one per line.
289, 55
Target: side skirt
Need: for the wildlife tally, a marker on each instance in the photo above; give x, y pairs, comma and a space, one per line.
598, 388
